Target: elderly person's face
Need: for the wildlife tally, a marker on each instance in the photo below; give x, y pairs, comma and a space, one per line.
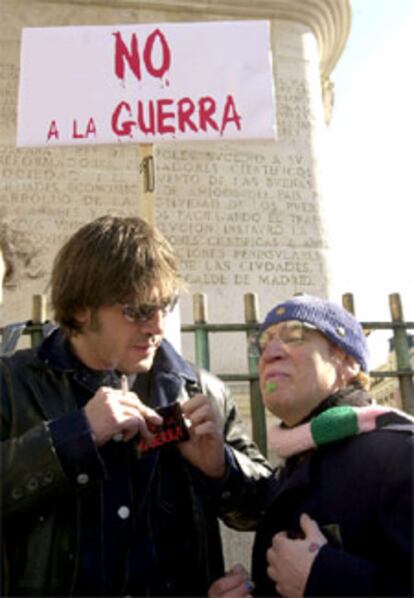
297, 368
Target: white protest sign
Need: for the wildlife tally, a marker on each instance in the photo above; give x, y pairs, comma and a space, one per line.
145, 83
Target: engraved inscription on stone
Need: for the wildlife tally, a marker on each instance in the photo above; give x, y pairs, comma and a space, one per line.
53, 192
243, 217
45, 195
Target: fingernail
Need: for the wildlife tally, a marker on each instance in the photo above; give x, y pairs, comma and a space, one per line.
249, 585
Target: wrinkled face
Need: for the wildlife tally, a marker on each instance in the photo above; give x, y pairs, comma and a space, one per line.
297, 369
121, 336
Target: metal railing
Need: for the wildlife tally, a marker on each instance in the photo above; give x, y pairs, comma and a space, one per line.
202, 329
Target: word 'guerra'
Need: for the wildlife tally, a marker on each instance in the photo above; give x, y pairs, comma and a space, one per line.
166, 116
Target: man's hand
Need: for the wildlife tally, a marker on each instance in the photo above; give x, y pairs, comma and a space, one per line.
113, 412
205, 448
290, 561
233, 585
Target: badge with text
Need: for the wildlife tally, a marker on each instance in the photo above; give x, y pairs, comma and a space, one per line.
172, 429
145, 83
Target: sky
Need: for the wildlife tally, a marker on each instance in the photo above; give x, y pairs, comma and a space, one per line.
369, 164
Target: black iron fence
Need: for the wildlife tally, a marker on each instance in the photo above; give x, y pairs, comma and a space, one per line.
202, 329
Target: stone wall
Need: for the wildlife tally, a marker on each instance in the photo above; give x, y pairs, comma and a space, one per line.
243, 217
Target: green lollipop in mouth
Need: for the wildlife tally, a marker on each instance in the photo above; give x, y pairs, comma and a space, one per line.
271, 386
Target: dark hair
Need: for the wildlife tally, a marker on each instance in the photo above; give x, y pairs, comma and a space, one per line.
7, 251
111, 260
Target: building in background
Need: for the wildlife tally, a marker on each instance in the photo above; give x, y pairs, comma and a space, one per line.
386, 391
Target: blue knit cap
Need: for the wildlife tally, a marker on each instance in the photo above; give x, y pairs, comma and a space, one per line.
338, 324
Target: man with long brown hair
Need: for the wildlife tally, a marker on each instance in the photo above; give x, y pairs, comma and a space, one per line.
118, 456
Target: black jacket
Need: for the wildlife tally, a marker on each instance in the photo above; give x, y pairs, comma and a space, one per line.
360, 492
77, 520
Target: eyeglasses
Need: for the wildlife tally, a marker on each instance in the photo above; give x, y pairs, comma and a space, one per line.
146, 311
291, 332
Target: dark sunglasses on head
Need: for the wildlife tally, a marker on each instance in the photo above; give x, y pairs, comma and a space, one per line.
146, 311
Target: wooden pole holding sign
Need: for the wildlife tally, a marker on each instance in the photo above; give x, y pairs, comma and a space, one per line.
146, 175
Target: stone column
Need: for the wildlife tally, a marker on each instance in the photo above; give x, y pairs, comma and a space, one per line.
242, 216
249, 217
